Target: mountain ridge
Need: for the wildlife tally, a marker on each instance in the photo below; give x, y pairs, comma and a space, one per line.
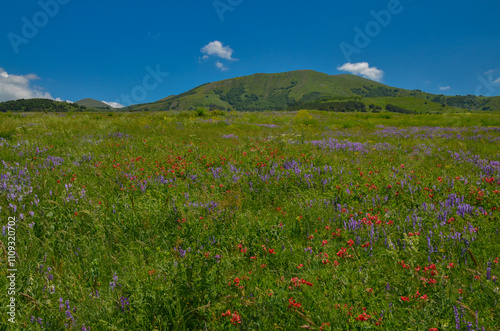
280, 91
291, 90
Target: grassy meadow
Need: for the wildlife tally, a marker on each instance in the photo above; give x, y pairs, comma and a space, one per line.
252, 221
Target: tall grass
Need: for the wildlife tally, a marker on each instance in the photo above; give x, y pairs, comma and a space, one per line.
160, 221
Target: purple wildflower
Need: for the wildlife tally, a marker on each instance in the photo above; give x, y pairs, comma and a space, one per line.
457, 318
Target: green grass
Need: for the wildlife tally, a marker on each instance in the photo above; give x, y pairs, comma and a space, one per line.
167, 220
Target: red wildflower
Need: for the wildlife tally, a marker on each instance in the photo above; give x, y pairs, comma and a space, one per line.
293, 303
363, 317
236, 318
341, 252
324, 325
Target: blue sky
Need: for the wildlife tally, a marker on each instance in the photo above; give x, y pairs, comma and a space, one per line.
122, 51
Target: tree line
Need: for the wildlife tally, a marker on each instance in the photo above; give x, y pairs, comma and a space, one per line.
38, 105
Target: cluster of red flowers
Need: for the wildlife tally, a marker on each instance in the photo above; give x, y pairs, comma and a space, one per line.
270, 250
293, 303
338, 233
404, 265
363, 317
243, 250
237, 280
296, 282
428, 281
342, 252
432, 269
235, 317
423, 297
489, 180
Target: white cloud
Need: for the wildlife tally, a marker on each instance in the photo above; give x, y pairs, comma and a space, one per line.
113, 104
13, 87
221, 66
489, 73
363, 69
61, 100
216, 48
444, 88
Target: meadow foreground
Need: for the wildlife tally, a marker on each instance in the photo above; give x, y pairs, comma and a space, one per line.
160, 221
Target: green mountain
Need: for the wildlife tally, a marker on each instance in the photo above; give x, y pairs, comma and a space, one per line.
92, 103
36, 105
313, 90
294, 90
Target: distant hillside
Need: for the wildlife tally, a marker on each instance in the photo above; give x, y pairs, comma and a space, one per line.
264, 91
309, 89
294, 90
35, 105
93, 103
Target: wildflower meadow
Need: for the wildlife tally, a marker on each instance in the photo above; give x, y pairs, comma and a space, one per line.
253, 221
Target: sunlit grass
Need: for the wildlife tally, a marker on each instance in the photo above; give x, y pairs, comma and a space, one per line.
146, 221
